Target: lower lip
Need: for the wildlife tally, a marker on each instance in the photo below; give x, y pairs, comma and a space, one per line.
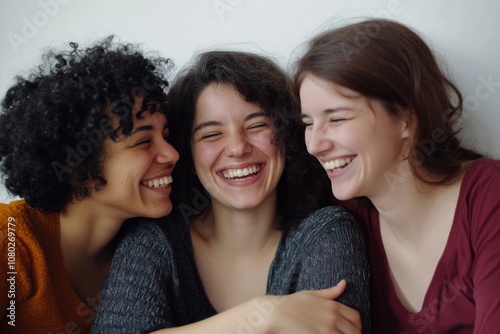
246, 182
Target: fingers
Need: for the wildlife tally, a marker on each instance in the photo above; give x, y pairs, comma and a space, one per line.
348, 319
352, 319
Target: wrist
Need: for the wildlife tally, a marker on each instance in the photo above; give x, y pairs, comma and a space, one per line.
264, 308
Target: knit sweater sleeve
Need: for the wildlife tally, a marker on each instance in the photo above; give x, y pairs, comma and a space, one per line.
326, 247
135, 295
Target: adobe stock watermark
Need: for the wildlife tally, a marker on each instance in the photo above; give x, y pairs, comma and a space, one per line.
393, 8
200, 201
425, 148
93, 138
223, 6
31, 26
437, 306
85, 311
83, 149
11, 271
263, 309
362, 38
483, 91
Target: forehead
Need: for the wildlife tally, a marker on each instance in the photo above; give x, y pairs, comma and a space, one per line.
314, 85
222, 100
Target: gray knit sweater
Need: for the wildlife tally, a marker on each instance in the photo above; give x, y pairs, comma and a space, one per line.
154, 283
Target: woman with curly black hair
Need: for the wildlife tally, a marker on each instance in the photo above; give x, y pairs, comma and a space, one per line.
83, 143
250, 220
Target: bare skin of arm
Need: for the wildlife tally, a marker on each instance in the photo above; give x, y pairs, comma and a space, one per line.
308, 312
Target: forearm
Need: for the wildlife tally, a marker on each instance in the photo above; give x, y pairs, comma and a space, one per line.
301, 312
253, 316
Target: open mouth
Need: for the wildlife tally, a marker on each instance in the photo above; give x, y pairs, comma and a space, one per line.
241, 174
337, 164
161, 182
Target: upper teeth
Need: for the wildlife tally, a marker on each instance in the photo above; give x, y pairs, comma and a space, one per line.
160, 182
336, 163
232, 173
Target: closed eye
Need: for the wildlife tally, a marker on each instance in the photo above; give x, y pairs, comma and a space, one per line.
210, 135
257, 125
142, 142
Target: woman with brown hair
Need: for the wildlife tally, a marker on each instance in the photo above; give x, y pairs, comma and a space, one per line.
382, 119
251, 220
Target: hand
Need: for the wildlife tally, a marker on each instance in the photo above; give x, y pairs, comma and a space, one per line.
310, 312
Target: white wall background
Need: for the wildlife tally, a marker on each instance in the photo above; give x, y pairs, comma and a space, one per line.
464, 32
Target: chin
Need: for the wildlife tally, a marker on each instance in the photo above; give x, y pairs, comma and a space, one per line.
244, 205
341, 195
164, 211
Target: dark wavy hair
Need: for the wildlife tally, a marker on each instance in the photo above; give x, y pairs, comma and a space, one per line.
303, 186
54, 121
386, 60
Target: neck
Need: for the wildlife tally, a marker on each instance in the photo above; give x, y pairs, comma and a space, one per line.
409, 212
86, 233
239, 230
404, 200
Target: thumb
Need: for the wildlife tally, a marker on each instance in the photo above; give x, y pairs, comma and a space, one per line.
333, 292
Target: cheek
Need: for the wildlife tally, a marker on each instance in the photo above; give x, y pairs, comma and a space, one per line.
351, 136
205, 156
265, 142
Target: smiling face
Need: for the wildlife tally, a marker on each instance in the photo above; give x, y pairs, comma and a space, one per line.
138, 168
233, 150
353, 137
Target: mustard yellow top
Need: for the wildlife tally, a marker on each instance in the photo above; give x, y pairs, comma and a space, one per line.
35, 293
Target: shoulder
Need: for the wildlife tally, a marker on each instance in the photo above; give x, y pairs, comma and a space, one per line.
330, 223
483, 169
155, 234
327, 218
481, 182
28, 222
479, 198
481, 173
17, 209
29, 236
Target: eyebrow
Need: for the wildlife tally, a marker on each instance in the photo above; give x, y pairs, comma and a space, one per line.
327, 111
216, 123
145, 128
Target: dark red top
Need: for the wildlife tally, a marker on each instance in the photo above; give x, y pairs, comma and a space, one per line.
464, 293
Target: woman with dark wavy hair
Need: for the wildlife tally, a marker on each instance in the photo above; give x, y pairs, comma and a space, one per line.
382, 118
83, 143
245, 223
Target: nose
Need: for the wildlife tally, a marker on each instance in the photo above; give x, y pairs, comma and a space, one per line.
316, 140
166, 154
237, 146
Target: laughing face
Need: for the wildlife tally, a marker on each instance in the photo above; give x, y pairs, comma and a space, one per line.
137, 169
356, 140
233, 150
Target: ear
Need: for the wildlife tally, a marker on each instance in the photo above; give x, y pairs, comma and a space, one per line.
408, 122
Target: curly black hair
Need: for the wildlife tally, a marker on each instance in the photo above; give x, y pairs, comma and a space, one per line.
54, 121
303, 186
